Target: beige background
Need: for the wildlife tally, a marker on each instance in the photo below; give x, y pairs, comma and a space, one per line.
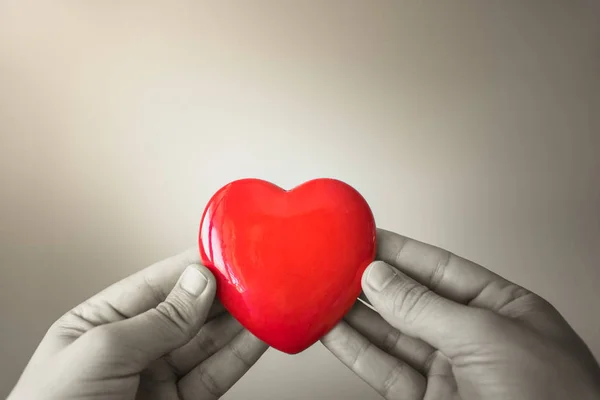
470, 125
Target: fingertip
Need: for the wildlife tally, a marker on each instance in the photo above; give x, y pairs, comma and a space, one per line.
205, 271
197, 280
332, 331
377, 276
258, 344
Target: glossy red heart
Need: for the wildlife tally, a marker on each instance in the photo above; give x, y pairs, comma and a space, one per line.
288, 264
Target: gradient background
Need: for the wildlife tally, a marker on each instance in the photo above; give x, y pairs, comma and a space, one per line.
471, 125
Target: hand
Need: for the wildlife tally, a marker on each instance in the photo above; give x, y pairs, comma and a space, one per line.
446, 328
135, 340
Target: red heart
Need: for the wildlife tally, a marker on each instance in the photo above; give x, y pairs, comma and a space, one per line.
288, 264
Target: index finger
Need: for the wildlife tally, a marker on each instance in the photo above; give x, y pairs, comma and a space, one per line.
146, 288
131, 296
447, 274
216, 375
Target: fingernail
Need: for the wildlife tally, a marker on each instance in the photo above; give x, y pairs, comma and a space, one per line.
380, 275
193, 281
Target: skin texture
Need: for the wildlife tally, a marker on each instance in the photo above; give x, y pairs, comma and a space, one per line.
438, 327
143, 338
441, 327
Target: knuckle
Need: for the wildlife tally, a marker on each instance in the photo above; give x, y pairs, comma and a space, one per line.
509, 295
360, 355
431, 358
410, 300
542, 304
391, 340
176, 316
402, 382
531, 306
210, 382
516, 302
391, 380
204, 345
66, 327
73, 324
240, 355
437, 276
157, 293
399, 248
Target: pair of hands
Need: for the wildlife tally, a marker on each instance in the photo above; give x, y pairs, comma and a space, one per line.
436, 327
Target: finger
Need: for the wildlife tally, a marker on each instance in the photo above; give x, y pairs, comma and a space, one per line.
416, 353
124, 299
390, 377
441, 383
152, 387
445, 273
466, 282
212, 378
212, 337
371, 325
137, 293
154, 333
414, 309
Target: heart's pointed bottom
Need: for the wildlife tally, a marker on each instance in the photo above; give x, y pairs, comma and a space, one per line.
293, 348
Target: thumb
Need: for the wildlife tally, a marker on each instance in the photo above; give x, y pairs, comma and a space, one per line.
417, 311
154, 333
